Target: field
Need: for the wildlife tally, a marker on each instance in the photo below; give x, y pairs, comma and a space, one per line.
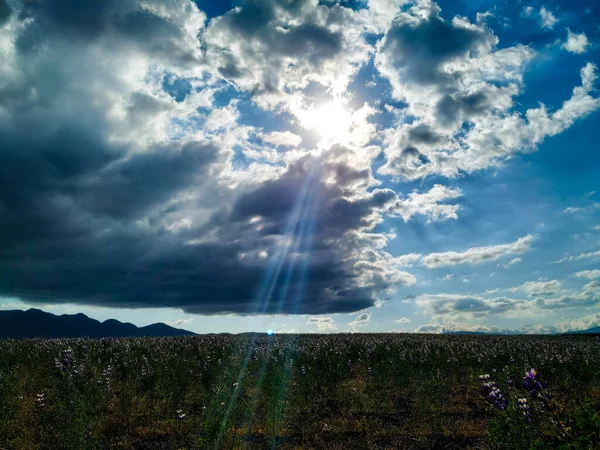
356, 391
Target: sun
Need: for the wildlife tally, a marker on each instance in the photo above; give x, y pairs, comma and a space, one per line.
331, 120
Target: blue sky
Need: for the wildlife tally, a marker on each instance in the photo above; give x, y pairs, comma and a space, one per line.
302, 165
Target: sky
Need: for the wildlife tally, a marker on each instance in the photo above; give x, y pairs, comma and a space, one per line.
302, 165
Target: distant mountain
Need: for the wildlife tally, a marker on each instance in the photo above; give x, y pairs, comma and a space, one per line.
589, 330
35, 323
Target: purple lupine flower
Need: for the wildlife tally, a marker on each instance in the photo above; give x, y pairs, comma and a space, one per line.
495, 395
66, 362
498, 398
525, 409
532, 384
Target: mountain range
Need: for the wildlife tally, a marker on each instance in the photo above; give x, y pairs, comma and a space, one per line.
34, 323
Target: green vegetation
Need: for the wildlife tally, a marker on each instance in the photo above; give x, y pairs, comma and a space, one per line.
310, 391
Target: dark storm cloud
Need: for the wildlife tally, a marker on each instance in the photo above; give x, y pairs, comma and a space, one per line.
275, 199
80, 255
4, 12
130, 21
98, 207
129, 187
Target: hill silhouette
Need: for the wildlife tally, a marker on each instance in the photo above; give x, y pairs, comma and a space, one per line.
35, 323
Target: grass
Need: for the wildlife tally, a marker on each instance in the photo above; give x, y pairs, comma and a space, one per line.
366, 391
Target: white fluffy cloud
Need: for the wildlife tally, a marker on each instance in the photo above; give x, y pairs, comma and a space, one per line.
429, 204
360, 321
512, 262
461, 89
589, 274
322, 323
478, 255
283, 139
583, 256
540, 298
273, 47
539, 288
466, 305
575, 43
547, 19
403, 320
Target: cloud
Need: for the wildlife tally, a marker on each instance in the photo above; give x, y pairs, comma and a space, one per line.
460, 88
361, 320
512, 262
270, 47
466, 305
575, 43
582, 323
589, 297
474, 307
582, 256
428, 204
403, 320
134, 177
527, 11
407, 260
322, 323
463, 328
589, 274
170, 167
283, 139
547, 19
477, 255
542, 297
572, 210
539, 288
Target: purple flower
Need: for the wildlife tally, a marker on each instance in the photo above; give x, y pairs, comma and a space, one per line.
523, 405
533, 385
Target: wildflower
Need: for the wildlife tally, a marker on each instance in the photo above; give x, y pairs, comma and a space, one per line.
498, 398
523, 405
533, 385
40, 400
66, 363
181, 415
106, 373
495, 394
